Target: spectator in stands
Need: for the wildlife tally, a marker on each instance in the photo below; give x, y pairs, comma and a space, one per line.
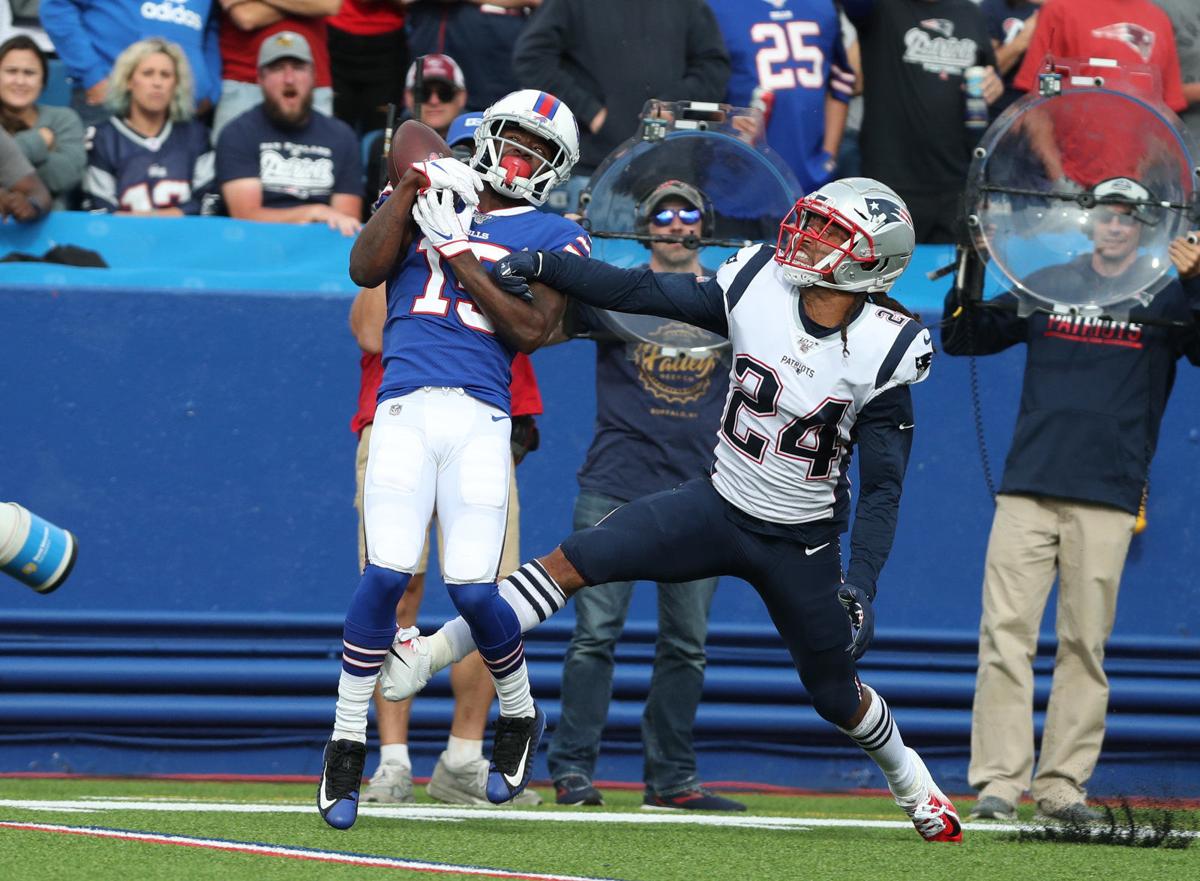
1185, 17
23, 196
50, 137
460, 776
914, 133
89, 36
654, 412
245, 25
439, 101
605, 60
368, 54
20, 17
1011, 24
280, 161
805, 99
1091, 406
480, 35
152, 156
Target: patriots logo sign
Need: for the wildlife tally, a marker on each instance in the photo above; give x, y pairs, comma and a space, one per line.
942, 26
1136, 37
886, 211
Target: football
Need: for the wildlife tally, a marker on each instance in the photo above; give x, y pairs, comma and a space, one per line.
414, 142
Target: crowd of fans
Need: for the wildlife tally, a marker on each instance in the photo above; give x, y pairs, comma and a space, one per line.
859, 86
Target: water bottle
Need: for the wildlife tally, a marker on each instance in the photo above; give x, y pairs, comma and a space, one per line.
977, 108
33, 550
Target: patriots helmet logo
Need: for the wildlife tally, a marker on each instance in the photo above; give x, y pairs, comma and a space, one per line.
885, 211
1139, 39
942, 26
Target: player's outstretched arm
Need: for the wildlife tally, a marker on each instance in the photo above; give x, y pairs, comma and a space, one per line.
677, 295
387, 235
525, 325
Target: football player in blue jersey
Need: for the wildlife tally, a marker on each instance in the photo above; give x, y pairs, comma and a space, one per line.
789, 55
822, 364
441, 432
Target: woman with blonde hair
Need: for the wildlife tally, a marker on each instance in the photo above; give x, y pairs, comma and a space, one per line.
151, 157
50, 137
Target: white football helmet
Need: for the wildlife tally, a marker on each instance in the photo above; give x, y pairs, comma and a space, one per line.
524, 174
865, 224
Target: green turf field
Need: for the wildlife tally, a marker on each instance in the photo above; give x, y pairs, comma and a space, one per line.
780, 839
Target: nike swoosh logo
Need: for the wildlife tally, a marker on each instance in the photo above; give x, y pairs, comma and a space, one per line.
321, 802
808, 552
514, 780
905, 426
498, 418
395, 654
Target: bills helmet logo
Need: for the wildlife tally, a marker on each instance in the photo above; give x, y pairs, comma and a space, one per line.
1136, 37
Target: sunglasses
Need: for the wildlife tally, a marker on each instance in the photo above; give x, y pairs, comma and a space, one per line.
445, 92
1107, 215
664, 216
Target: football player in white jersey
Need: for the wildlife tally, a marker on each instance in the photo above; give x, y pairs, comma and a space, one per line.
822, 363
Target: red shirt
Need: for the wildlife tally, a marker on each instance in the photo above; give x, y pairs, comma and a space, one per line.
1127, 31
526, 398
239, 49
366, 19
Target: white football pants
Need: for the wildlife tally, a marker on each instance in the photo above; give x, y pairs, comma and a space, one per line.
438, 449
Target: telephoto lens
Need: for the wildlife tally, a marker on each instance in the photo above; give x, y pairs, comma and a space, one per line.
33, 550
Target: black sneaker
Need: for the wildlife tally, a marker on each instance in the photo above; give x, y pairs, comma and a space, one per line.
575, 789
698, 799
337, 795
513, 748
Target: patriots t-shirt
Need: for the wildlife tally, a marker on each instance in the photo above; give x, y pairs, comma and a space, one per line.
301, 166
435, 335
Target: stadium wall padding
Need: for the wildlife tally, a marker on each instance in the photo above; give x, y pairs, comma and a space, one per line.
194, 436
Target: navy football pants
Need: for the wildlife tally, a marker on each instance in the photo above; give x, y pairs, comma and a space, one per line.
686, 533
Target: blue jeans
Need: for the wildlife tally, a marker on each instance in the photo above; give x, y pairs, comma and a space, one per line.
675, 685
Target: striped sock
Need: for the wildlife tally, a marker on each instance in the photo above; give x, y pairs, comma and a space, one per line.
533, 594
880, 739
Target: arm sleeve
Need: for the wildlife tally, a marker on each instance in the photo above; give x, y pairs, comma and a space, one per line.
1048, 23
858, 11
235, 158
203, 173
678, 295
100, 178
63, 21
212, 56
883, 447
842, 78
980, 329
538, 61
63, 167
348, 175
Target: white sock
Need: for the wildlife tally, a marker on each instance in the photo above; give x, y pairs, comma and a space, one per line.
354, 697
516, 699
450, 644
880, 739
396, 753
462, 751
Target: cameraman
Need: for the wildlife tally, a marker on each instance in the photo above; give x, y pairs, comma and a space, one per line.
1091, 404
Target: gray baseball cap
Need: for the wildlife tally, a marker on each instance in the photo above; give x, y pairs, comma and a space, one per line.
284, 44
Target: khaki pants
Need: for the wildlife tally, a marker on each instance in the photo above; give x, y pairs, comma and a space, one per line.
510, 555
1031, 538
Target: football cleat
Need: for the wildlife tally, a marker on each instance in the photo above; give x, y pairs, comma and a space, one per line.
390, 784
929, 809
513, 749
337, 795
406, 667
467, 784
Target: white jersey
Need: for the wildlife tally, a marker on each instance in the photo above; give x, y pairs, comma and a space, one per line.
794, 397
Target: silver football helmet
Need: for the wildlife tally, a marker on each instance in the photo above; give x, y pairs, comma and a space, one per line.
853, 235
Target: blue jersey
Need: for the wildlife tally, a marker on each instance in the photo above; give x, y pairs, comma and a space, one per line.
435, 335
792, 48
129, 172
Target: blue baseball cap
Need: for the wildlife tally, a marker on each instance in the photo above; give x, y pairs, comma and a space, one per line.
463, 128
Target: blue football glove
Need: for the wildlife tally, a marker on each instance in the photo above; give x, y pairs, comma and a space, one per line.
513, 272
857, 603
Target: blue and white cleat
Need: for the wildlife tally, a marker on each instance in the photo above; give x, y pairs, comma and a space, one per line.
341, 778
513, 750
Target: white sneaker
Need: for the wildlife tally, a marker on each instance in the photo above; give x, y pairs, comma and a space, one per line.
390, 784
406, 668
930, 811
467, 785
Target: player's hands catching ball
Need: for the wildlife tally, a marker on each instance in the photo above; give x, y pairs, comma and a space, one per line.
450, 174
444, 225
1185, 254
857, 603
512, 273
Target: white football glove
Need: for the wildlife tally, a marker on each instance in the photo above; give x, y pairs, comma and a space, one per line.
445, 227
451, 174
